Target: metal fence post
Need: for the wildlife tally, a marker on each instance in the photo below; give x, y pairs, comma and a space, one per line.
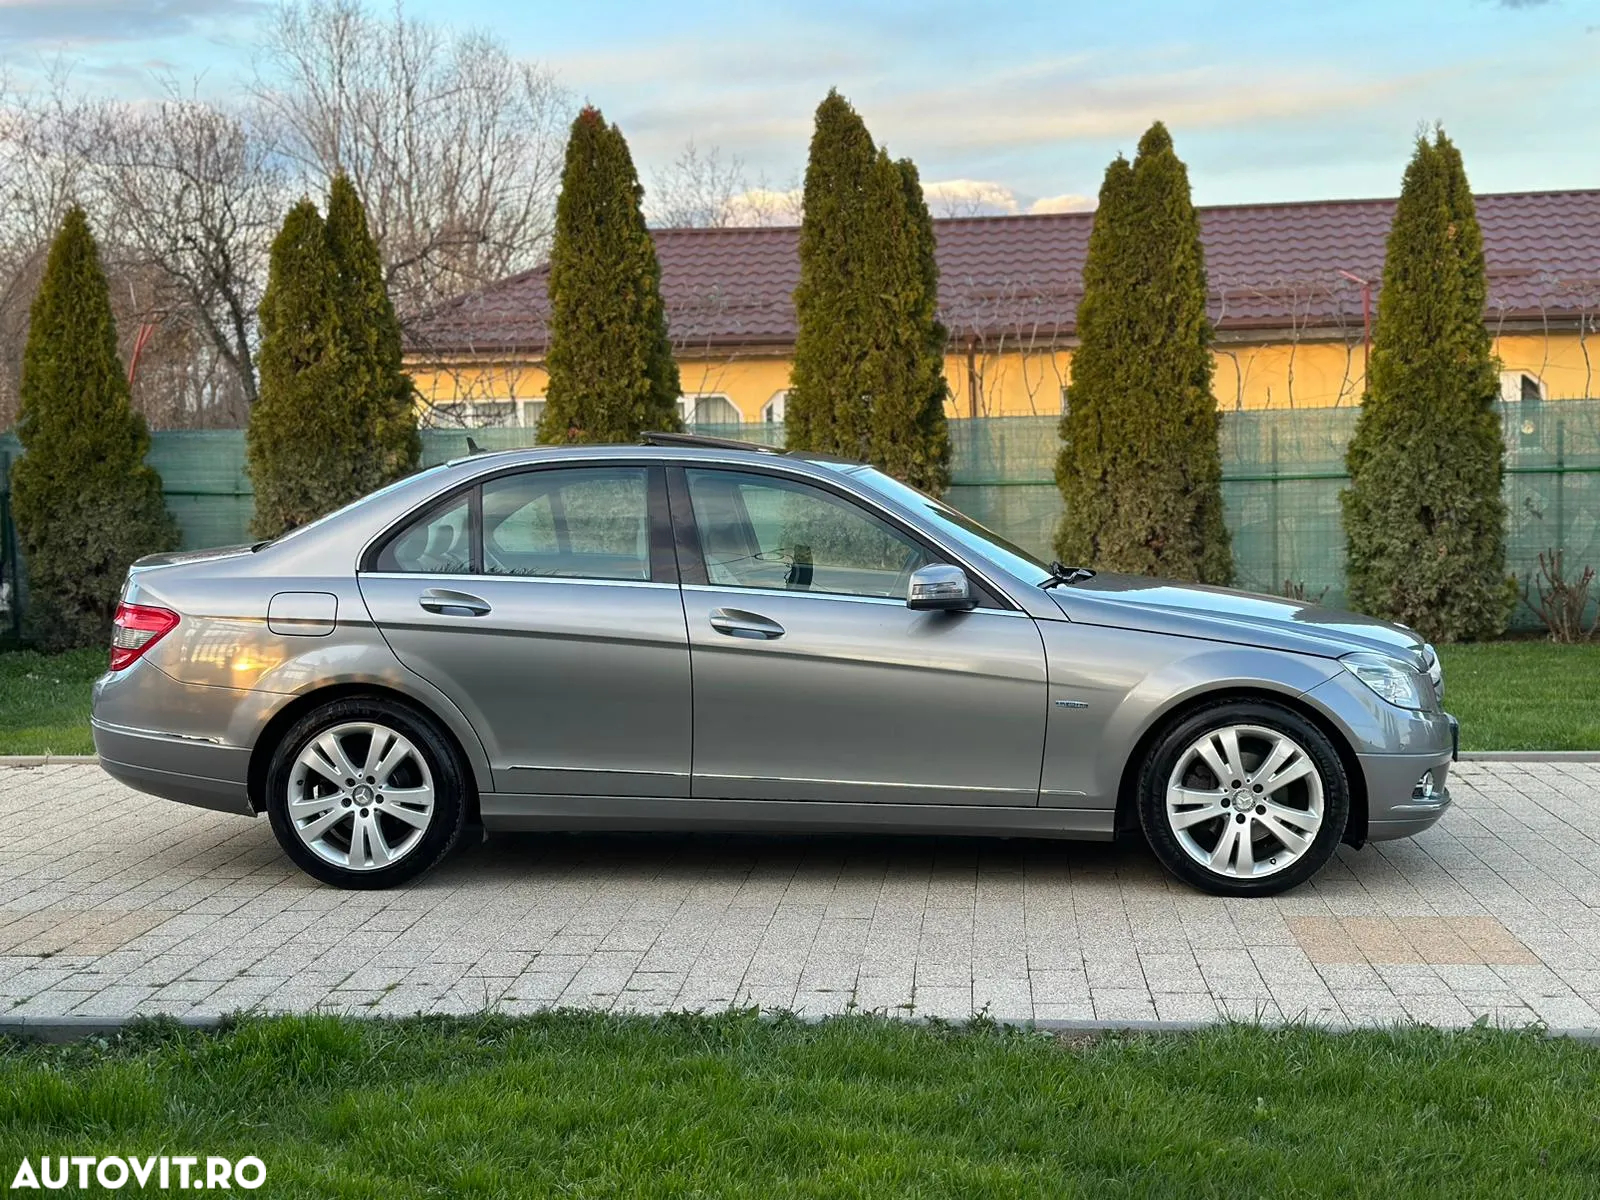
1277, 581
1561, 486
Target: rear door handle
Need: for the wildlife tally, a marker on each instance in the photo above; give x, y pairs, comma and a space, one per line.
453, 604
735, 622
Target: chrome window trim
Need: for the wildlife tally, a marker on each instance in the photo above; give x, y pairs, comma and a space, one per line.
582, 579
553, 457
800, 593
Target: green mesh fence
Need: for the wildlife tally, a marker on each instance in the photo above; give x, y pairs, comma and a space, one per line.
1282, 474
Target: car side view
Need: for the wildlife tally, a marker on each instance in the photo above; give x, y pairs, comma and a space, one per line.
695, 634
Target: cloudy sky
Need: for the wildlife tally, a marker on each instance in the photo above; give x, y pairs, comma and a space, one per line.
1024, 101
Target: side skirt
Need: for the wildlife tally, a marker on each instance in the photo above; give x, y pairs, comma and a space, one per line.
502, 811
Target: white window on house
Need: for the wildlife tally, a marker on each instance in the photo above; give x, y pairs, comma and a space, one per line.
488, 414
1518, 387
772, 410
711, 408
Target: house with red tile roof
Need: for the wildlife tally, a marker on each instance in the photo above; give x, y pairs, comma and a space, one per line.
1291, 286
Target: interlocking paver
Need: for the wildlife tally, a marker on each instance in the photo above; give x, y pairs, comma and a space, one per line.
153, 907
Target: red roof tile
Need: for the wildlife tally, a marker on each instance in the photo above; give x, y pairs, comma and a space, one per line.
1271, 267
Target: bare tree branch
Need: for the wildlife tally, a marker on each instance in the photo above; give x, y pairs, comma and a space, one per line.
454, 145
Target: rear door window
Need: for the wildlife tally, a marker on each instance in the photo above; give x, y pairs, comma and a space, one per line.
582, 523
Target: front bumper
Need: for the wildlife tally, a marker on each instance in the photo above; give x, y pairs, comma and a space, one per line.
1407, 793
1396, 806
1395, 747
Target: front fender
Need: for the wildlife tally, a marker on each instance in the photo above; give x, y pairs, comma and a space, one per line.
1111, 687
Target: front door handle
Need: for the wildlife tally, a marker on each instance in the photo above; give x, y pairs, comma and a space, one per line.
735, 622
453, 604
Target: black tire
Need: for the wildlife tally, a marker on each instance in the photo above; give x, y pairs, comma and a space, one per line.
1168, 752
448, 776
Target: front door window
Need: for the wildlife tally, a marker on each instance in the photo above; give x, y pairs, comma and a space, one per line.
761, 531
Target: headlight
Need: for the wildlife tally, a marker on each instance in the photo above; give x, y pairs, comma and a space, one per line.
1394, 681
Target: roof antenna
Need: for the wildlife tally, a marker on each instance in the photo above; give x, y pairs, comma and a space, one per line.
472, 446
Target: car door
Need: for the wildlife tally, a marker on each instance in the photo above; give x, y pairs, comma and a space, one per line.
812, 679
544, 602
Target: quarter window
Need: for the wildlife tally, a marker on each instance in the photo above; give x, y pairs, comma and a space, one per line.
437, 543
760, 531
586, 523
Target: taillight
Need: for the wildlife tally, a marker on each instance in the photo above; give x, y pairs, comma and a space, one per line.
136, 628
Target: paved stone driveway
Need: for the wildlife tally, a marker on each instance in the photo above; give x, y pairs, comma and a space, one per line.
114, 903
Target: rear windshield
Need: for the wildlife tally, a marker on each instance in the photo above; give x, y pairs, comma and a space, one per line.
325, 518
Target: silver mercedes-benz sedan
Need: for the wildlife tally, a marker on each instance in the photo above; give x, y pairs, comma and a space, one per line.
691, 634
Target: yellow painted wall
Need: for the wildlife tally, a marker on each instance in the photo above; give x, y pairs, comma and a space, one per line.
475, 380
1322, 374
1016, 383
1568, 365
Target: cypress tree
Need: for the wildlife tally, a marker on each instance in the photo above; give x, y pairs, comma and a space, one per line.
335, 418
376, 379
868, 377
85, 503
1140, 468
826, 407
304, 442
612, 374
905, 372
1424, 515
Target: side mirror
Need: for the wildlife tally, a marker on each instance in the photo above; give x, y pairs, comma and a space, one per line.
939, 586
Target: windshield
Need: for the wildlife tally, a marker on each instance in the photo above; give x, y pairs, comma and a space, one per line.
957, 525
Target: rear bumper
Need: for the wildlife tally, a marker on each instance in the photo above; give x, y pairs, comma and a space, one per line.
188, 770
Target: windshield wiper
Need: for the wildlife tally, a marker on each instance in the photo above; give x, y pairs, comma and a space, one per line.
1060, 574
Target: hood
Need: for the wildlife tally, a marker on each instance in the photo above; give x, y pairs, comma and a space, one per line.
1224, 615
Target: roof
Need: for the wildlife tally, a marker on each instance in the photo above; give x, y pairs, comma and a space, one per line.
1271, 267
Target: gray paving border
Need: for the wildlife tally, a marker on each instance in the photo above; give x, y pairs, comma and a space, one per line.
45, 760
61, 1030
1530, 756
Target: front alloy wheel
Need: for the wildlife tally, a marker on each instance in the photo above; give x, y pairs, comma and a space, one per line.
1244, 798
1245, 801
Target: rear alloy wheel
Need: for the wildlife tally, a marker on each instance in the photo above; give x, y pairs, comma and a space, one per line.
365, 794
1244, 799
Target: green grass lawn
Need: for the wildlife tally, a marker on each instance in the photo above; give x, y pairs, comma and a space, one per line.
44, 701
1517, 695
1524, 695
590, 1105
